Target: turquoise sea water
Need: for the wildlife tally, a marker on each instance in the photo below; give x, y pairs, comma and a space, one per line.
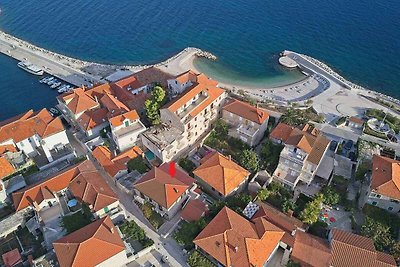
360, 38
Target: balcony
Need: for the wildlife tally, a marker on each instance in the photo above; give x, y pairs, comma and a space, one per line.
292, 156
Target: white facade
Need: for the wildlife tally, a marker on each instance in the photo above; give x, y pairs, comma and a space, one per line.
104, 211
176, 87
125, 136
383, 202
118, 260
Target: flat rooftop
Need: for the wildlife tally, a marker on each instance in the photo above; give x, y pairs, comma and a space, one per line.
163, 136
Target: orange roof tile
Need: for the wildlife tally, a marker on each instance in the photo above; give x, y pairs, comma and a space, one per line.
100, 240
7, 148
246, 111
234, 241
213, 94
386, 176
90, 119
79, 101
29, 124
311, 251
12, 258
349, 249
118, 120
91, 187
281, 132
6, 168
356, 120
158, 185
301, 139
221, 173
186, 76
194, 210
113, 105
129, 82
318, 149
111, 164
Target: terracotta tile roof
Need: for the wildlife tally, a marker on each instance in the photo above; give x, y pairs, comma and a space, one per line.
319, 147
130, 82
158, 185
311, 251
90, 119
119, 119
29, 124
113, 105
301, 139
78, 101
246, 111
278, 218
90, 245
281, 132
185, 97
234, 241
221, 173
194, 210
6, 168
82, 179
349, 249
111, 164
12, 258
356, 120
386, 176
7, 148
186, 76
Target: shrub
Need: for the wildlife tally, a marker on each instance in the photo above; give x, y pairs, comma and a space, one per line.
249, 160
187, 165
331, 196
197, 260
137, 164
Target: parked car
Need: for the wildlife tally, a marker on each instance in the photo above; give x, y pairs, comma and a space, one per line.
164, 259
348, 145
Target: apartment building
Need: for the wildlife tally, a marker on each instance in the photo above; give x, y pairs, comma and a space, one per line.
248, 123
301, 157
384, 190
186, 118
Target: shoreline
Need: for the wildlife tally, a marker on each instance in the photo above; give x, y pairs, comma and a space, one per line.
80, 72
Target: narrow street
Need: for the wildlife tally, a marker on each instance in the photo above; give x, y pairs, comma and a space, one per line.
165, 246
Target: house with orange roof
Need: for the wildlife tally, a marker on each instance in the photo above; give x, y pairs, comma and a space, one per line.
81, 181
384, 189
342, 249
125, 129
303, 162
115, 166
35, 133
220, 175
96, 244
186, 118
248, 123
166, 193
232, 240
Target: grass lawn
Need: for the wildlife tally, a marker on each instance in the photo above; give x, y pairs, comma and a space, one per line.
384, 217
368, 130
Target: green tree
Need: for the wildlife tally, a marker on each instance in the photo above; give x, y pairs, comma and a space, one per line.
188, 231
153, 104
331, 196
137, 164
195, 259
249, 160
78, 220
147, 210
378, 232
131, 230
187, 165
270, 155
312, 209
263, 194
221, 128
395, 250
287, 205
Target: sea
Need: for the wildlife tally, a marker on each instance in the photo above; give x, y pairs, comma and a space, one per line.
360, 39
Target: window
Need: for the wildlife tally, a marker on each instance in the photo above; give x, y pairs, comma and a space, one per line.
390, 208
378, 196
374, 203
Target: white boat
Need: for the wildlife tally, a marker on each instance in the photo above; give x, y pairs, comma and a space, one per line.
51, 81
55, 85
29, 67
45, 80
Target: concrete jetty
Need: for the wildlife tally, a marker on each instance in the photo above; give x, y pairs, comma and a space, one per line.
80, 72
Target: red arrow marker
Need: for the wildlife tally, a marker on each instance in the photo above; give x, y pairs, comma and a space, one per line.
172, 169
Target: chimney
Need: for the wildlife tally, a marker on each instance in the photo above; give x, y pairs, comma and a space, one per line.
95, 98
230, 157
289, 213
112, 230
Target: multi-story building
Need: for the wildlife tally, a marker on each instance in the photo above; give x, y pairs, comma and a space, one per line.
232, 240
82, 182
125, 129
248, 123
384, 190
342, 249
186, 118
301, 156
164, 192
97, 244
35, 133
220, 176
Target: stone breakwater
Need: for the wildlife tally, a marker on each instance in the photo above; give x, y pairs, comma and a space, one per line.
92, 68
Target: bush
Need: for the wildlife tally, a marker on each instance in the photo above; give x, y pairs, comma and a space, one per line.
378, 232
278, 196
137, 164
311, 211
331, 196
187, 165
249, 160
76, 221
197, 260
188, 232
362, 169
319, 229
132, 231
270, 155
386, 218
153, 217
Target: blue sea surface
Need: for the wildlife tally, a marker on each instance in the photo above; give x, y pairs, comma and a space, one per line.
360, 39
21, 91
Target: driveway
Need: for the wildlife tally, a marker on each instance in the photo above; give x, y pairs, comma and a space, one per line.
52, 230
